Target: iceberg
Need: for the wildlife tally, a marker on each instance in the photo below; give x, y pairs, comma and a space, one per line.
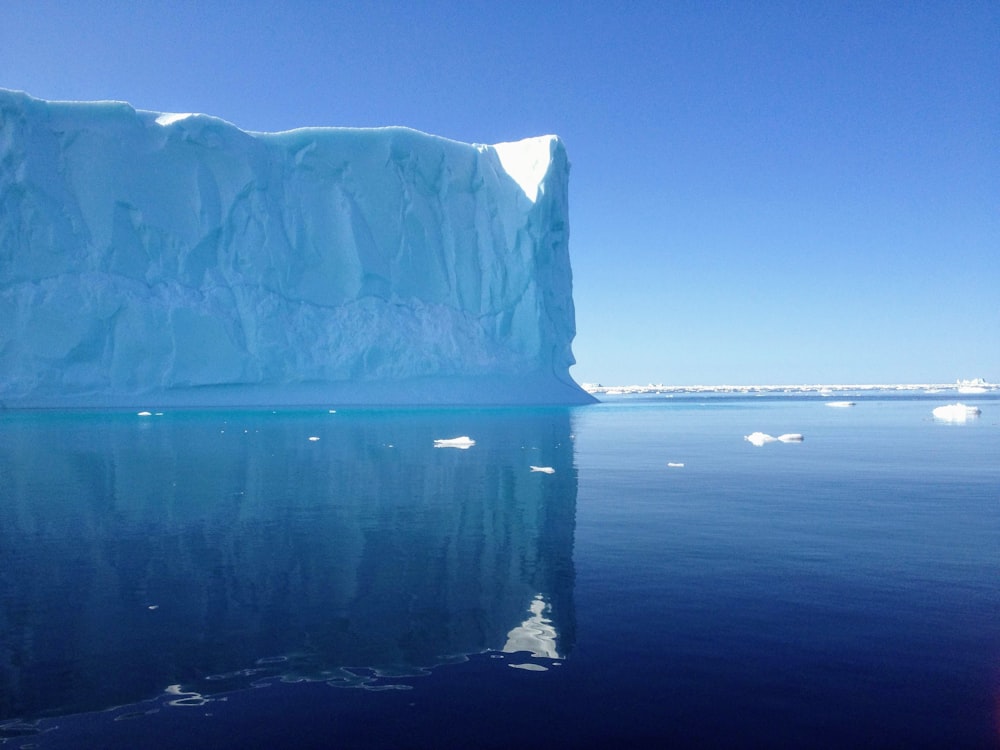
176, 259
956, 412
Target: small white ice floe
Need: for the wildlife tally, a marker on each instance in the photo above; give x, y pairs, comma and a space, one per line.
530, 667
956, 412
464, 442
543, 469
675, 465
313, 438
760, 438
840, 404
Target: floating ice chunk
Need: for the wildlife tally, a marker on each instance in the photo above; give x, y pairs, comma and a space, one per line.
464, 442
543, 469
759, 438
674, 465
840, 404
313, 438
956, 412
791, 437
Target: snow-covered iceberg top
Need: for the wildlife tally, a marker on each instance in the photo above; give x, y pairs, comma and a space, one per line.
174, 258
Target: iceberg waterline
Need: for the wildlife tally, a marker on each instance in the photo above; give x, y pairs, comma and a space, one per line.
178, 259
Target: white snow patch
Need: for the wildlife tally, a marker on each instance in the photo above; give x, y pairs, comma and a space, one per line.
464, 442
527, 162
169, 118
956, 412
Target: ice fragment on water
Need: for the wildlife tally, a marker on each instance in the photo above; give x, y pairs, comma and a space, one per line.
956, 412
760, 438
464, 442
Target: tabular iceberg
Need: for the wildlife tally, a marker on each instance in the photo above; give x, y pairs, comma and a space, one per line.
176, 259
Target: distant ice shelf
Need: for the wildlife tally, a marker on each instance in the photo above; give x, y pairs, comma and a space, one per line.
824, 391
174, 259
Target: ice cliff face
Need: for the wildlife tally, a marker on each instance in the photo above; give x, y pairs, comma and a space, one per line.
161, 258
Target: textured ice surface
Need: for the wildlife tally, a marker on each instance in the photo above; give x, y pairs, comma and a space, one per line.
174, 258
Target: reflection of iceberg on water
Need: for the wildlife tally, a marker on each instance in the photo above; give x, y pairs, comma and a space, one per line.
536, 636
214, 550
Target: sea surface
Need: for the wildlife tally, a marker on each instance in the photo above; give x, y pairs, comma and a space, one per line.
332, 578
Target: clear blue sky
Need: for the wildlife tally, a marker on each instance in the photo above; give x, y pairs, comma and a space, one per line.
761, 192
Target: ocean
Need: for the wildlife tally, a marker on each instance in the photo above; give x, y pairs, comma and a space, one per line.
633, 573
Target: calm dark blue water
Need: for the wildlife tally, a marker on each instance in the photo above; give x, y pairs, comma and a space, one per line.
222, 579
